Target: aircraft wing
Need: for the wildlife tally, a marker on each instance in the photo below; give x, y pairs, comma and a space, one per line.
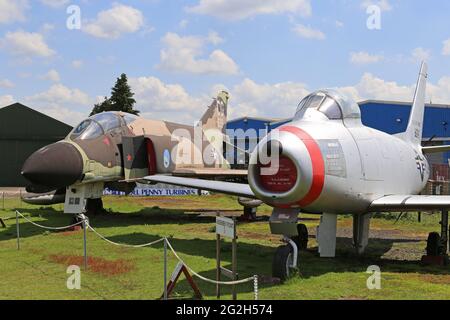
436, 149
410, 203
210, 172
235, 189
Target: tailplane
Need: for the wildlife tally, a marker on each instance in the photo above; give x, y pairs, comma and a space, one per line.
414, 130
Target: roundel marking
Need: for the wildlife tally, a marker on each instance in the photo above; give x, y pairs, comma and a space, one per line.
318, 165
166, 159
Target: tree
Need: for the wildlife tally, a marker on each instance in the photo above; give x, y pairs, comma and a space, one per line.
102, 107
121, 98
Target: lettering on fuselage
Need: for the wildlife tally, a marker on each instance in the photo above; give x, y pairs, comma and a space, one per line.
334, 157
421, 166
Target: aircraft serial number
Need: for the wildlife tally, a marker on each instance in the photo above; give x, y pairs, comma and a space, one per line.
246, 309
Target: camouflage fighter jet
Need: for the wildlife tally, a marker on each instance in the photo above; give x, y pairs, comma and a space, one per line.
112, 149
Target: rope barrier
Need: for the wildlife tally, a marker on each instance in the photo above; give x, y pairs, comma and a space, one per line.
253, 279
123, 244
206, 279
48, 228
176, 255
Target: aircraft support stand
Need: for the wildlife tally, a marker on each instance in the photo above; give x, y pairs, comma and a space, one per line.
361, 227
326, 235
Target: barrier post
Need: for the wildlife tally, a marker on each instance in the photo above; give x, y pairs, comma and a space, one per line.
165, 268
255, 284
17, 230
234, 260
20, 197
85, 244
218, 271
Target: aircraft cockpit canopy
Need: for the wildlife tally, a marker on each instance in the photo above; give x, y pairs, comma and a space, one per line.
99, 124
333, 104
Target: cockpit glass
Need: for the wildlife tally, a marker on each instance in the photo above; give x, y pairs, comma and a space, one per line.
81, 127
315, 101
93, 131
331, 109
88, 129
129, 118
107, 120
321, 102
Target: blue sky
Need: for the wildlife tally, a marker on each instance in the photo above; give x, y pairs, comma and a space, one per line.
178, 54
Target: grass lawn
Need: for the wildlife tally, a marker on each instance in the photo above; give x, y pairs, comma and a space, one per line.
38, 270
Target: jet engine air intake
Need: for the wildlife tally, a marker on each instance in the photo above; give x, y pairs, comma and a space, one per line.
294, 176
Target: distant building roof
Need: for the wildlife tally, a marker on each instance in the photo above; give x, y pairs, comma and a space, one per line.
406, 104
261, 119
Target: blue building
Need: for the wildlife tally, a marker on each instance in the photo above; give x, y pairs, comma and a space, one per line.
390, 117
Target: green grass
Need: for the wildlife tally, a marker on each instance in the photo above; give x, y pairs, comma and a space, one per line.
31, 273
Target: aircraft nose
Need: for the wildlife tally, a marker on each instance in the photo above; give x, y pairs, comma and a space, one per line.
55, 166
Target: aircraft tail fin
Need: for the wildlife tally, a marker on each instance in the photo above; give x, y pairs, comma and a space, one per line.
214, 122
414, 130
215, 118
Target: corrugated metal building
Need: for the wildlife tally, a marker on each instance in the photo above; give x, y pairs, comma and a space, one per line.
245, 133
23, 131
387, 116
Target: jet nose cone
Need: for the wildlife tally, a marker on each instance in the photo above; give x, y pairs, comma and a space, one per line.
55, 166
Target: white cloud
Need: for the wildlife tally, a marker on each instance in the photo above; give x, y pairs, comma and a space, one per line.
268, 100
363, 57
6, 100
446, 48
384, 5
308, 32
52, 75
182, 54
13, 10
242, 9
77, 64
62, 103
248, 98
115, 22
158, 100
183, 24
55, 3
26, 45
421, 54
5, 83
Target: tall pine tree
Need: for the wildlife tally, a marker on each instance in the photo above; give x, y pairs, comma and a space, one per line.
121, 98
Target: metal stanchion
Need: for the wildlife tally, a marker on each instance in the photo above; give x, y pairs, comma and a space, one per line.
17, 230
255, 284
85, 244
165, 269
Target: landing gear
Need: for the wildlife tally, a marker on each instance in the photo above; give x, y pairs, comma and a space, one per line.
434, 245
250, 207
285, 260
94, 206
437, 244
302, 239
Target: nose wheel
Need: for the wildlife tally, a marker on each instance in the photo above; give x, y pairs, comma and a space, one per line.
284, 262
302, 239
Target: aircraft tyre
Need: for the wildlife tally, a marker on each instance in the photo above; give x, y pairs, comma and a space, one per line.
282, 261
434, 245
94, 206
302, 239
